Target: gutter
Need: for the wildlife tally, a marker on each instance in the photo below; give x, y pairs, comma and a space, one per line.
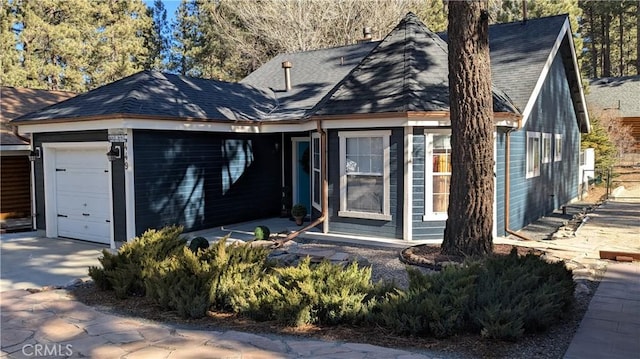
507, 187
324, 192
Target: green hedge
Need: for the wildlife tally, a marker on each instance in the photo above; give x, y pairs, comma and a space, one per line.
498, 297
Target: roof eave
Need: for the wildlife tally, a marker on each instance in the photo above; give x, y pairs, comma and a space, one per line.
123, 116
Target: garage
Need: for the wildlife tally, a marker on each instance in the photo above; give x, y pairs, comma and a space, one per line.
79, 199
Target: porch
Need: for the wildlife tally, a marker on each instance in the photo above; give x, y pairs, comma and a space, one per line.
244, 231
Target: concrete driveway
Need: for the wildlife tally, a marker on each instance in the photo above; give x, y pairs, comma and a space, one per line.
29, 261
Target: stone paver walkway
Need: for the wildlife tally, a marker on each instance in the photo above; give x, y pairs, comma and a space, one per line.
611, 327
52, 324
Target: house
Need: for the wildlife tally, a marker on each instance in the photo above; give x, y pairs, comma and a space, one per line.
620, 95
359, 134
15, 169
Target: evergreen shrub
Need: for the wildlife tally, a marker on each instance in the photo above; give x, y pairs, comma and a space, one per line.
519, 294
323, 293
434, 304
220, 277
124, 272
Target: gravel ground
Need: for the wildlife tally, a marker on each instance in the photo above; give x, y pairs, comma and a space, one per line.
385, 262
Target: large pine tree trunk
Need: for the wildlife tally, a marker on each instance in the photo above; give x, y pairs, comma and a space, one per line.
594, 48
470, 216
621, 42
606, 62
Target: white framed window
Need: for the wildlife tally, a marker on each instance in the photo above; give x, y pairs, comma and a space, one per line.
316, 178
437, 175
364, 174
558, 148
533, 154
546, 147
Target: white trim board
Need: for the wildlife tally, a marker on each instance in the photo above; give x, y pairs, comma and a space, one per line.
262, 127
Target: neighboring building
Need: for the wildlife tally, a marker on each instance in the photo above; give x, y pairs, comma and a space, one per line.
15, 170
203, 153
620, 95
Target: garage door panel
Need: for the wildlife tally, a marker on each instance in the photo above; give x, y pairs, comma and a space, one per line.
82, 182
82, 194
84, 229
73, 204
77, 158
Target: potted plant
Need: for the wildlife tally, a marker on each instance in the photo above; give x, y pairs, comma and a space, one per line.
298, 211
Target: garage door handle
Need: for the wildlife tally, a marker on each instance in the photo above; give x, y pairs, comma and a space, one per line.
63, 215
86, 214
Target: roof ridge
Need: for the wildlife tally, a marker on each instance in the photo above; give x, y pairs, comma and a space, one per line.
338, 85
129, 100
410, 72
529, 19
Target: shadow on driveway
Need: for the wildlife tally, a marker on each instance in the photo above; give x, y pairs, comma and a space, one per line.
29, 261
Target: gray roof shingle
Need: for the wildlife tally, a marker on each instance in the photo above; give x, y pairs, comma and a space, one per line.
519, 51
622, 93
313, 74
407, 71
168, 96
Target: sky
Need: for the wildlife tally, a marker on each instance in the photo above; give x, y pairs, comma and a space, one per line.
170, 5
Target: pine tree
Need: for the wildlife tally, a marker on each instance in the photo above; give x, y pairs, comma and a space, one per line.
613, 47
119, 49
157, 38
186, 39
469, 225
12, 73
72, 45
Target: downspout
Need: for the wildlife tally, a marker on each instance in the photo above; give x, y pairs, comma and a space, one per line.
324, 192
507, 187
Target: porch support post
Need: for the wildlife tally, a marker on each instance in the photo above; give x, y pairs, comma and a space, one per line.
129, 183
407, 202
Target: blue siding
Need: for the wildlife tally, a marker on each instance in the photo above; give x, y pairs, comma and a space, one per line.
368, 227
557, 183
422, 230
201, 180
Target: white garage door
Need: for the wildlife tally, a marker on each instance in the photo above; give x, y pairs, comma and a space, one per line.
82, 194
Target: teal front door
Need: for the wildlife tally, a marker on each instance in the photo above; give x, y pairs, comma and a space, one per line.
301, 166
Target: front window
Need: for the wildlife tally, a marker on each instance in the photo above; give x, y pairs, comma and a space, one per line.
533, 154
546, 147
437, 175
558, 148
364, 174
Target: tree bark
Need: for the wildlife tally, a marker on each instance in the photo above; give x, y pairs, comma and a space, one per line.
621, 41
469, 225
638, 38
594, 48
606, 63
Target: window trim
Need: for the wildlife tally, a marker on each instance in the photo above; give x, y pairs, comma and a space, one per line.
544, 155
429, 215
557, 155
386, 187
534, 173
316, 136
